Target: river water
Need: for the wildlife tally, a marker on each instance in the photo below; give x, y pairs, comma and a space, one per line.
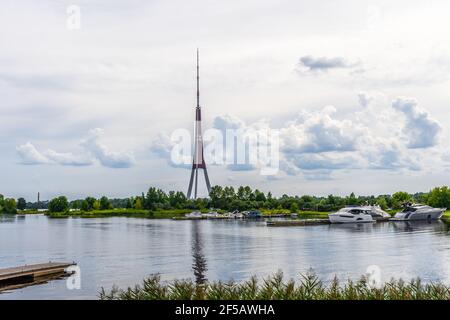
123, 251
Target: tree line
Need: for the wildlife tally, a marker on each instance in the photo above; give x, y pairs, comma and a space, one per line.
229, 198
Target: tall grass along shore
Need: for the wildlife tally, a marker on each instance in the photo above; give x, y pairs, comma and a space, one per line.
275, 287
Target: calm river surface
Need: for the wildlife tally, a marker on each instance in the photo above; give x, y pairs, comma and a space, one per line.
123, 251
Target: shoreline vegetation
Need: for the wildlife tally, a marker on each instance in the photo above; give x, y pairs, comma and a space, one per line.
168, 214
156, 203
275, 287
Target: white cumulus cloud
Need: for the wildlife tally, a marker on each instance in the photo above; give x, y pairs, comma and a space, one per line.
317, 143
420, 129
108, 158
314, 132
92, 150
68, 158
30, 155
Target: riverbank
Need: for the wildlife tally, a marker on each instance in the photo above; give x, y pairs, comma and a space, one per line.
168, 214
307, 287
179, 213
132, 213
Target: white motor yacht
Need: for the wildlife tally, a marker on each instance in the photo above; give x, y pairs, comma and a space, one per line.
358, 214
212, 215
418, 212
378, 213
238, 215
194, 215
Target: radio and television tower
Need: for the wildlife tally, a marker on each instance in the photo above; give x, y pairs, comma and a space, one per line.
198, 159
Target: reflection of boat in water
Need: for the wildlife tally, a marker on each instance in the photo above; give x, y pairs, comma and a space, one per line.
358, 214
415, 225
357, 227
418, 212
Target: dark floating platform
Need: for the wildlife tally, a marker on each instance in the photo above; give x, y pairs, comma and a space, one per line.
18, 277
299, 222
188, 218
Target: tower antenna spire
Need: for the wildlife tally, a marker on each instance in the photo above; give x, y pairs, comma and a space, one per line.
198, 161
198, 79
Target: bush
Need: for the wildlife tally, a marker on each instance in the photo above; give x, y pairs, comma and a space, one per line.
7, 205
59, 204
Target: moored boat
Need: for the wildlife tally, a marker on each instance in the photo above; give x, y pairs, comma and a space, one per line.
418, 212
194, 215
253, 214
358, 214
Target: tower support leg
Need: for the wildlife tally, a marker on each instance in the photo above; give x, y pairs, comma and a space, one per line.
208, 185
191, 181
196, 183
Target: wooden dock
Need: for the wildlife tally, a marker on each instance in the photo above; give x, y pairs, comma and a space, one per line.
17, 277
189, 218
298, 222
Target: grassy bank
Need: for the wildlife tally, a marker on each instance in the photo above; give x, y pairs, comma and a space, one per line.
29, 211
157, 214
308, 287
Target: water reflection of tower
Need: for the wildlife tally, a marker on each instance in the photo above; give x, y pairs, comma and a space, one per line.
199, 266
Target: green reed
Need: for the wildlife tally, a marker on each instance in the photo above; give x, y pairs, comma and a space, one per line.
276, 287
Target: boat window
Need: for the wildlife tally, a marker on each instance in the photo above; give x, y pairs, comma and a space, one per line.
355, 211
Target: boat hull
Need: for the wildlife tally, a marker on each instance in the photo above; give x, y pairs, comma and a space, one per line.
350, 218
434, 214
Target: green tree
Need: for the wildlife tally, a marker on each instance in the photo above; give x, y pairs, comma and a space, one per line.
88, 204
7, 205
155, 198
138, 204
59, 204
21, 204
105, 204
439, 197
351, 199
229, 193
216, 195
177, 199
382, 203
129, 204
96, 205
10, 205
85, 205
399, 198
294, 207
259, 196
76, 204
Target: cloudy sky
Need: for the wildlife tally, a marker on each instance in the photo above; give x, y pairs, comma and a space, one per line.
358, 91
